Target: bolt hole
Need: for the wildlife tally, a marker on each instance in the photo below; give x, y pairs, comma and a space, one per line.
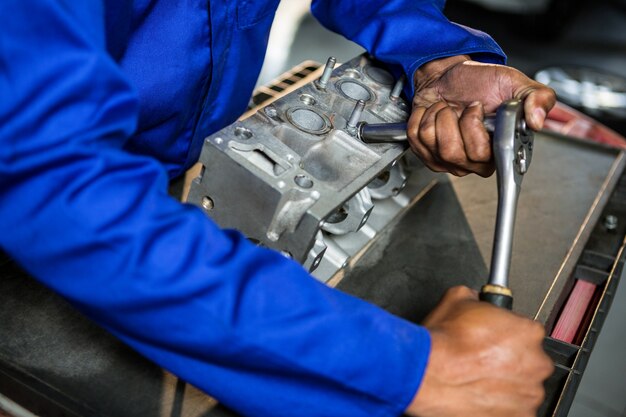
303, 181
307, 99
243, 133
271, 112
610, 222
207, 203
381, 179
352, 73
338, 215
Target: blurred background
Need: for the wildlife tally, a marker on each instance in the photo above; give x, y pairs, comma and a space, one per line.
578, 47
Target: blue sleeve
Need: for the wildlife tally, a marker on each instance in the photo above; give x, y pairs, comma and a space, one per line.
95, 224
405, 33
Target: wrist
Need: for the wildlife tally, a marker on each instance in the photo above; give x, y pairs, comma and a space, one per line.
432, 70
431, 390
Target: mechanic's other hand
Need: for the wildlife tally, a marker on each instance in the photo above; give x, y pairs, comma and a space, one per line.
451, 97
484, 361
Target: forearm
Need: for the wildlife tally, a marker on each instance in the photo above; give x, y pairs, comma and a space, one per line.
243, 324
95, 224
405, 34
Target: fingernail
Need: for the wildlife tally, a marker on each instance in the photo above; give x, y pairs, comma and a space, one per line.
539, 115
475, 103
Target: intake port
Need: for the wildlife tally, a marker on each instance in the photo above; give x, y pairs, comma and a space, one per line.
379, 75
308, 120
355, 90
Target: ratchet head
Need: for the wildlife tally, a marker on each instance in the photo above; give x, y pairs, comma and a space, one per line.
512, 141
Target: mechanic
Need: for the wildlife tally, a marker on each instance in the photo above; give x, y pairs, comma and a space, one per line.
102, 102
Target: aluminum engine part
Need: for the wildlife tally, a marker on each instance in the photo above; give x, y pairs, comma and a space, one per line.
293, 176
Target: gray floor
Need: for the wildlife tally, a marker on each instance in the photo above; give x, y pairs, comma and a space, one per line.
596, 37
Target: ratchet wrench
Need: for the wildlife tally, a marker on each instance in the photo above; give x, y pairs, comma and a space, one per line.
512, 150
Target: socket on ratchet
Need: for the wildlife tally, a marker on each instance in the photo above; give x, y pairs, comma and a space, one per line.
512, 143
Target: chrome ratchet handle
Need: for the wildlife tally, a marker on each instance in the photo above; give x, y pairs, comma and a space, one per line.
512, 151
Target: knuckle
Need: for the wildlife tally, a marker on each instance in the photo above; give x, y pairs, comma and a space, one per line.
431, 163
412, 133
436, 166
481, 152
416, 147
542, 94
472, 168
538, 396
550, 93
472, 115
447, 113
426, 132
534, 403
452, 154
414, 123
477, 143
548, 366
458, 291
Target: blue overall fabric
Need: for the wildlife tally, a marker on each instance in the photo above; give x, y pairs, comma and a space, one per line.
101, 102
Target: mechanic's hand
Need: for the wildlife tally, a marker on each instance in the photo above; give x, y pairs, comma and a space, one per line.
451, 97
484, 361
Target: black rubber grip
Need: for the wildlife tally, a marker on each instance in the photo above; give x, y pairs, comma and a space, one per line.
499, 300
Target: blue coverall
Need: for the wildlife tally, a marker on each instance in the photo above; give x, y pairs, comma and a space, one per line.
100, 103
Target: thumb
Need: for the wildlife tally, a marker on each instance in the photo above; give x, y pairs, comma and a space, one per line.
450, 301
538, 101
459, 293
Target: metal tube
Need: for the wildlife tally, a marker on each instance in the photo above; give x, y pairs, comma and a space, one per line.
508, 193
396, 132
506, 145
382, 133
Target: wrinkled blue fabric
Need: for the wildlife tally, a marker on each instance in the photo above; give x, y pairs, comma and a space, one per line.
100, 103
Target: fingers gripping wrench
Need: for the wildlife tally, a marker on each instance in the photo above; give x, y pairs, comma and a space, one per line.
512, 151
